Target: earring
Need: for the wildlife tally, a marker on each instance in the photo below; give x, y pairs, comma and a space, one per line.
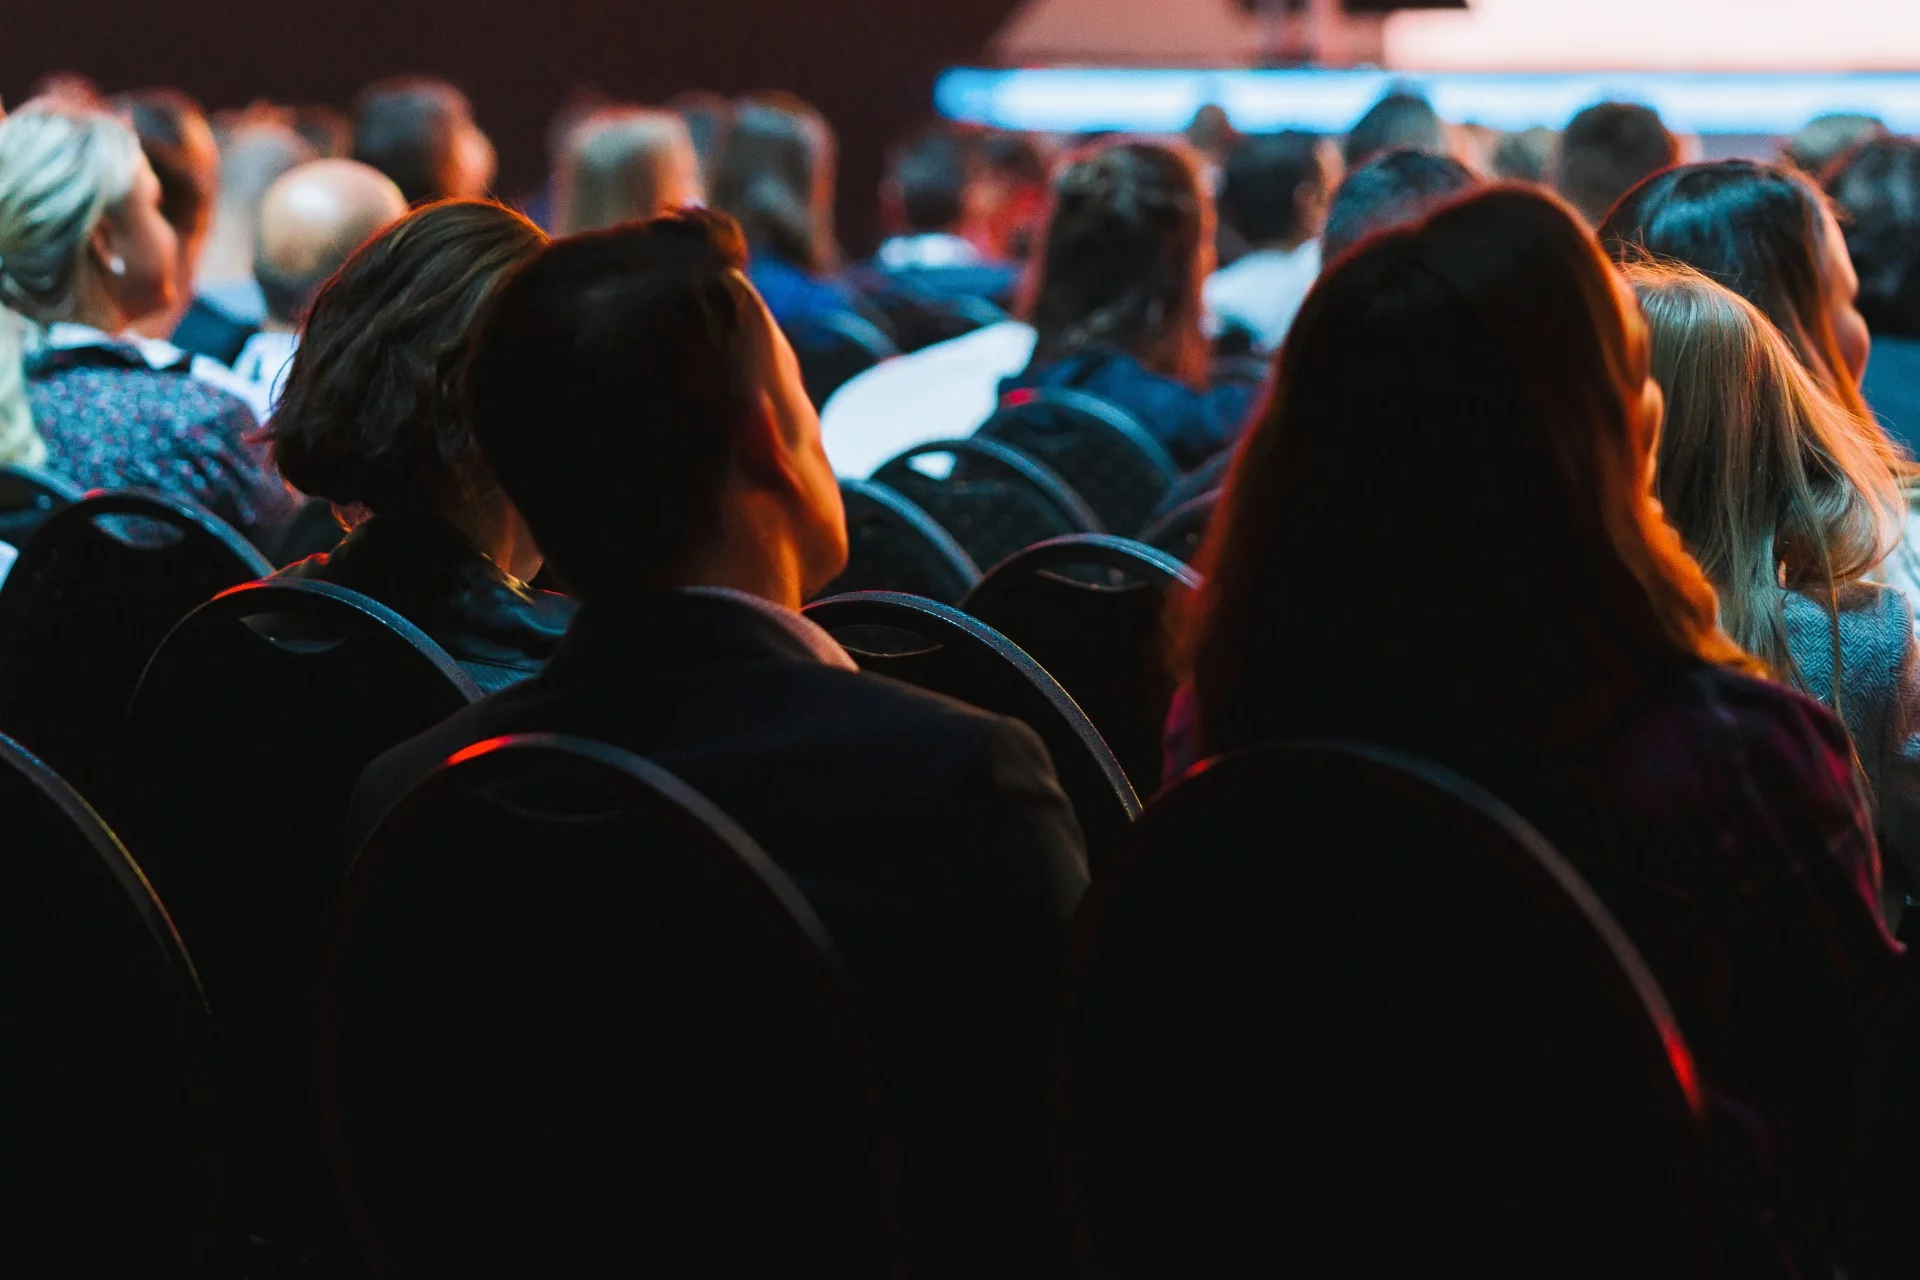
117, 265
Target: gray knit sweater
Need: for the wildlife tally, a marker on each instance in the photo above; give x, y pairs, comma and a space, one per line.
1879, 701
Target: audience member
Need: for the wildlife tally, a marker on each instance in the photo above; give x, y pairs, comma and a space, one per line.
420, 132
1607, 150
1274, 191
371, 420
934, 197
1878, 185
1787, 509
1824, 139
1391, 190
708, 117
84, 253
178, 143
328, 130
1526, 156
1401, 119
257, 150
624, 164
1586, 681
310, 222
777, 180
693, 510
1014, 181
1116, 305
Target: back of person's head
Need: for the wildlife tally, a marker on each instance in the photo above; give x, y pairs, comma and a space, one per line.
1759, 469
1607, 150
63, 166
1878, 185
1765, 232
1525, 156
420, 132
1390, 190
1128, 243
929, 179
1514, 435
178, 142
256, 151
637, 403
1401, 119
624, 164
775, 178
1824, 139
311, 221
371, 414
1273, 190
708, 117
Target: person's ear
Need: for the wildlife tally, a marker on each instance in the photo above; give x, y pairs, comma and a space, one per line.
1645, 416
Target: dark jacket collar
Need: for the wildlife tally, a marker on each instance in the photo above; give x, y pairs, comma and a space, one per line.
641, 635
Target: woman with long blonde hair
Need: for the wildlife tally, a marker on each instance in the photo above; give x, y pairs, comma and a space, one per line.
1788, 507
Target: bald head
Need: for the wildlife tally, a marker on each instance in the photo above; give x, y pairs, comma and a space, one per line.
312, 219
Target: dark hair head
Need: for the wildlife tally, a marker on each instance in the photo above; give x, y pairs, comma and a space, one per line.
178, 143
931, 173
1824, 139
1524, 156
709, 118
1260, 189
1401, 119
1878, 186
371, 414
1388, 191
775, 177
409, 129
641, 346
1502, 439
1606, 150
1755, 228
1121, 261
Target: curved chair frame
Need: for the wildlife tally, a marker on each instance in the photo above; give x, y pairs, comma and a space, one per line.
1150, 456
662, 798
915, 517
1103, 549
1195, 514
1030, 469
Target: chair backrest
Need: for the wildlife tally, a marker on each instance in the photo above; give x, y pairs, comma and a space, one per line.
27, 497
573, 1021
835, 347
1180, 531
919, 319
248, 731
99, 587
1209, 477
938, 648
1333, 1008
1100, 449
104, 1114
991, 497
892, 545
1092, 610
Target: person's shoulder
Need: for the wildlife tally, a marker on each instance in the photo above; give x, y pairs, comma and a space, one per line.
1762, 716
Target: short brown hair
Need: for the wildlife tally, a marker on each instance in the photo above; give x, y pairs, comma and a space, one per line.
371, 413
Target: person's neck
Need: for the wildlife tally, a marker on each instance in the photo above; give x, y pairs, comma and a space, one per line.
1289, 244
93, 308
500, 535
765, 567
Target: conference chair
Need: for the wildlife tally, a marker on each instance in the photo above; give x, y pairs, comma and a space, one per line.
1109, 458
27, 497
572, 1021
1181, 531
833, 348
893, 545
992, 498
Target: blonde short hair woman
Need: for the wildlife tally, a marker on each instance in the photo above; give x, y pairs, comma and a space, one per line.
625, 164
1787, 505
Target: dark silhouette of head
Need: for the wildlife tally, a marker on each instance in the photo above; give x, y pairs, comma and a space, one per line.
1390, 190
1514, 434
1128, 244
928, 180
178, 143
1824, 139
1274, 188
371, 415
1878, 185
1605, 151
1400, 119
420, 132
776, 178
1765, 232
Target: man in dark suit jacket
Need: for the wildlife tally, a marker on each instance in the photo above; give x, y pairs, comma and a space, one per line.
639, 406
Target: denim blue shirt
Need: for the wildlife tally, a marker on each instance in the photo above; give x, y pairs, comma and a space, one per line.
1193, 425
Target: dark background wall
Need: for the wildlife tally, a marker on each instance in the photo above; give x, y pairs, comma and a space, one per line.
868, 64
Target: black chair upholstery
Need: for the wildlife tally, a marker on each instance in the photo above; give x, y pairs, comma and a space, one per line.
992, 498
918, 320
85, 606
574, 1022
104, 1116
892, 545
941, 649
250, 727
1209, 477
1098, 448
1180, 531
1335, 1008
27, 497
1101, 632
835, 347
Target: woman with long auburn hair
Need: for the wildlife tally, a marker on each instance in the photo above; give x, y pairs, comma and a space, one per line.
1440, 536
1787, 509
